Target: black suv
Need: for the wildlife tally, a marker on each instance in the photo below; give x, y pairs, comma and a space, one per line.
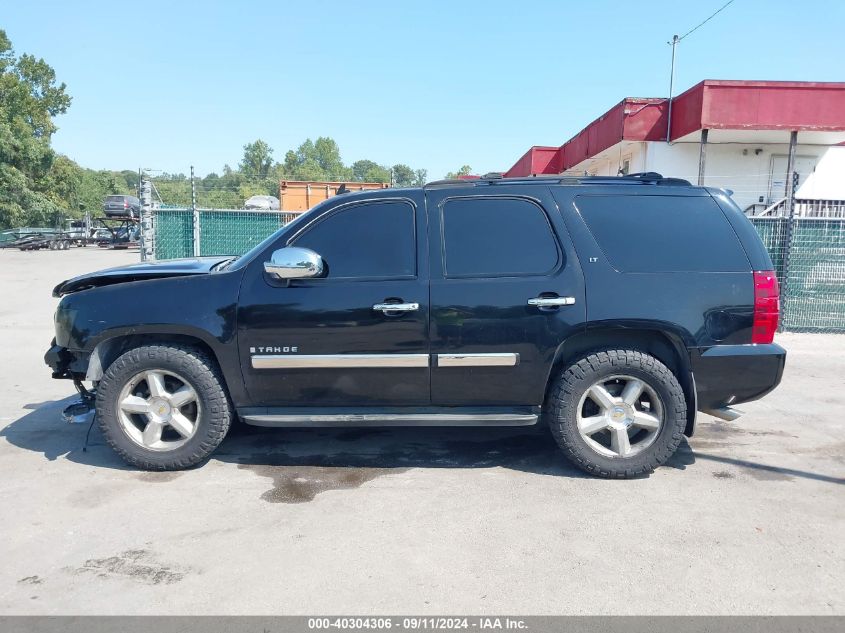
612, 309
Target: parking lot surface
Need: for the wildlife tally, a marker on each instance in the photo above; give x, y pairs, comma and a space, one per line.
747, 518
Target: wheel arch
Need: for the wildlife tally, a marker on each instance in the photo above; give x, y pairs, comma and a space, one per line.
667, 346
109, 349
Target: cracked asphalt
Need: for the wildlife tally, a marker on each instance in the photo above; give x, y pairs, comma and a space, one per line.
747, 518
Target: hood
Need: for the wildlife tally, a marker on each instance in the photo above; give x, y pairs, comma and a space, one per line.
140, 272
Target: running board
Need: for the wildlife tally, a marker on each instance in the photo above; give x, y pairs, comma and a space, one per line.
391, 419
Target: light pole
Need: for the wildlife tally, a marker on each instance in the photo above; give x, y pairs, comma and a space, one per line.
673, 43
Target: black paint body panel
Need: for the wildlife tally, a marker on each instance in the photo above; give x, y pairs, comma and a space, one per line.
235, 309
733, 374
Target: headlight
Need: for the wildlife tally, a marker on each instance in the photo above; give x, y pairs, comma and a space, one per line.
64, 319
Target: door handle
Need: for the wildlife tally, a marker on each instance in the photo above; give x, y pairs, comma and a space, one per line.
396, 307
551, 302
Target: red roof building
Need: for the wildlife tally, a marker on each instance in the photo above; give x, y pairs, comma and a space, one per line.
733, 134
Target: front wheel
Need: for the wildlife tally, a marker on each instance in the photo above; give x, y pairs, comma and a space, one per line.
163, 407
617, 413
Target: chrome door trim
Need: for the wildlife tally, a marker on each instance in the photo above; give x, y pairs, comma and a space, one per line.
393, 419
396, 307
337, 361
550, 302
478, 360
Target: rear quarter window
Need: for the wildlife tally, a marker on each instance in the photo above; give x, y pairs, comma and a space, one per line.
644, 234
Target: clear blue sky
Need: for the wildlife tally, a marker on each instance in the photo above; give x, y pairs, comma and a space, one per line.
436, 85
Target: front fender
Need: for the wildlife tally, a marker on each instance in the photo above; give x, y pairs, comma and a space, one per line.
99, 323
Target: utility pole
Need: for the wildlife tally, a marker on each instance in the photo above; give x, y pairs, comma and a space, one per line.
791, 186
674, 43
195, 215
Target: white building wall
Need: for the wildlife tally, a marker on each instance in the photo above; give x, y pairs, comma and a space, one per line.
755, 172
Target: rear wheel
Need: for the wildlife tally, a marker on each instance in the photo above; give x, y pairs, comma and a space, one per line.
617, 413
163, 407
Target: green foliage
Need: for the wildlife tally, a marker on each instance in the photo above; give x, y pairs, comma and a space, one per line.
257, 160
314, 160
466, 170
40, 188
29, 99
368, 171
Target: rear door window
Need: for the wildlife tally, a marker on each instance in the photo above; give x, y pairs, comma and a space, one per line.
643, 234
497, 237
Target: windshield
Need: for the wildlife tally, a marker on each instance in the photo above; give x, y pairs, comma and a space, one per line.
243, 260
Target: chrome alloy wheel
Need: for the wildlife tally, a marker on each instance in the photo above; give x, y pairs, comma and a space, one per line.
620, 416
158, 410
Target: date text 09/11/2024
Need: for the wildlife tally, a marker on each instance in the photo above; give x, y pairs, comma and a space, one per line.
417, 623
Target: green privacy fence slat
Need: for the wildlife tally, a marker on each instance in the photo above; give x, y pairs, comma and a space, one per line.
814, 292
174, 236
222, 232
235, 232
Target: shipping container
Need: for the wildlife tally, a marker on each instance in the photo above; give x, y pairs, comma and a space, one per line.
301, 195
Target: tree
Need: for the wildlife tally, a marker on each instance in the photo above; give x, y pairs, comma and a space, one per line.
327, 155
403, 176
360, 168
369, 171
420, 177
315, 160
257, 160
29, 99
466, 170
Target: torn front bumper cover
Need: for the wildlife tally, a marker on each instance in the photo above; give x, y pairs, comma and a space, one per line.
65, 363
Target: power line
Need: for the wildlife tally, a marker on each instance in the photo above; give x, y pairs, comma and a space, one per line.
674, 43
715, 13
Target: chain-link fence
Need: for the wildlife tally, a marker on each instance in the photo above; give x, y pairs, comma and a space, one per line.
811, 266
220, 231
810, 263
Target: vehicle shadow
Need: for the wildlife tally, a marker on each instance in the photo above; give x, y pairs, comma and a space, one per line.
350, 455
528, 449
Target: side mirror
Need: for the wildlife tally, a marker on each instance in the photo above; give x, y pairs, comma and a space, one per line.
294, 263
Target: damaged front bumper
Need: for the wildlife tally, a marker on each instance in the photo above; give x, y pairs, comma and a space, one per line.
66, 363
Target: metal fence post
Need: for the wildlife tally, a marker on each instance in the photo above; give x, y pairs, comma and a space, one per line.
787, 246
147, 236
196, 216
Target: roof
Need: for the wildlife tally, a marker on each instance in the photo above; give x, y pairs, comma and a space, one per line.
710, 104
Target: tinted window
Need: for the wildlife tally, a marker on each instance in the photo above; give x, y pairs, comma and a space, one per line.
374, 239
663, 233
497, 236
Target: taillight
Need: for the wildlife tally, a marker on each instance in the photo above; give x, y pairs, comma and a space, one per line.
766, 306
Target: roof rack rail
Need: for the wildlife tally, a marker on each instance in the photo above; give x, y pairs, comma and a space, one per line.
643, 178
644, 175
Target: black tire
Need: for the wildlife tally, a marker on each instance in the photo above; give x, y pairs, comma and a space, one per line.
198, 369
561, 411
